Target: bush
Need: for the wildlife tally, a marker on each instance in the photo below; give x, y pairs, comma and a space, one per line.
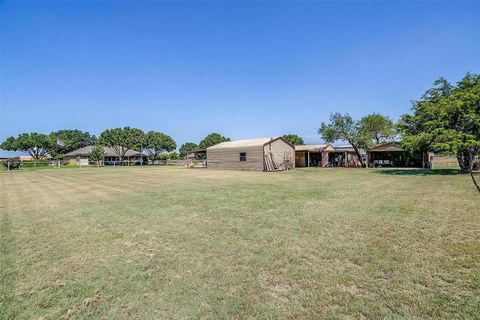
14, 164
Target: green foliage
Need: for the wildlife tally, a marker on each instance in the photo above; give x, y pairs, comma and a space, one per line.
11, 164
446, 120
186, 147
293, 139
71, 139
38, 145
344, 128
211, 140
122, 139
377, 128
157, 142
168, 156
97, 153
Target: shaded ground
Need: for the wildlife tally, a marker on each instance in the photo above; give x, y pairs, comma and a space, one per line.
178, 243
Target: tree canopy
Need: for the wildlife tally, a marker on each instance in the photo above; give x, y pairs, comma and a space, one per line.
446, 120
38, 145
97, 154
122, 139
66, 141
157, 142
344, 128
186, 147
377, 128
293, 139
211, 140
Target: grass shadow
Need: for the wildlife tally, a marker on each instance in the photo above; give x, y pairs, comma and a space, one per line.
417, 172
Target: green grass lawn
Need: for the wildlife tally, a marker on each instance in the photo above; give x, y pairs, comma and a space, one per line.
163, 242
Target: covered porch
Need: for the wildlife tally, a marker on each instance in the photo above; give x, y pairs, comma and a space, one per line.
314, 155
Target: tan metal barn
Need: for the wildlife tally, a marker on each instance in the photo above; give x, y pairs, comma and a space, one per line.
269, 154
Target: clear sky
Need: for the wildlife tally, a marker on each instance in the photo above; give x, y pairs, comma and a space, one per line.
243, 69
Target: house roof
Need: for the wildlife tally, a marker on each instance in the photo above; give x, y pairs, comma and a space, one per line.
109, 152
387, 147
311, 147
260, 142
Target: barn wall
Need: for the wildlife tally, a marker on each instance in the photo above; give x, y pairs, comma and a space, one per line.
280, 149
229, 158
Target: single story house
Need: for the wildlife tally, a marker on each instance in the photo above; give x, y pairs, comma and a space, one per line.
269, 154
312, 155
81, 156
391, 154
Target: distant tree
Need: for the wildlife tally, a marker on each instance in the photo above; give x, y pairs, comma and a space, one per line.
156, 142
38, 145
377, 128
211, 140
185, 148
122, 139
293, 139
97, 154
344, 128
446, 120
70, 140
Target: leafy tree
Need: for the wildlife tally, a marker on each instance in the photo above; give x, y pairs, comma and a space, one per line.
186, 147
446, 120
293, 139
70, 140
122, 139
211, 140
344, 128
377, 128
97, 154
156, 143
38, 145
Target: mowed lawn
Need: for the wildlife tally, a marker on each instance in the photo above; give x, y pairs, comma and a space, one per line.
142, 243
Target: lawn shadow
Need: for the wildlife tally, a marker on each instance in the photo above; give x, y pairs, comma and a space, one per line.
417, 172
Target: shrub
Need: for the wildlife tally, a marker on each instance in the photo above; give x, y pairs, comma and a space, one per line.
12, 165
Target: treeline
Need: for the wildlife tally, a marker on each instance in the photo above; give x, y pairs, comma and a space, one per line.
156, 145
445, 120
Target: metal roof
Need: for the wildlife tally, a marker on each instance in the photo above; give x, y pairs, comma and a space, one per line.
242, 143
387, 147
311, 147
109, 152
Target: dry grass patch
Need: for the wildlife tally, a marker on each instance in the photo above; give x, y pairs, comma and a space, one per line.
179, 243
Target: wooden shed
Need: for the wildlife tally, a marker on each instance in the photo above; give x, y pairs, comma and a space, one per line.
269, 154
312, 155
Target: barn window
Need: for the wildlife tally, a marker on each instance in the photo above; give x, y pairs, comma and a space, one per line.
243, 156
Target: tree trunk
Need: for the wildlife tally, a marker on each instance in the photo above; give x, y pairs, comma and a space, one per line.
358, 155
465, 160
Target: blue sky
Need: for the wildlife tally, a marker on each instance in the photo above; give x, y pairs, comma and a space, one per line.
243, 69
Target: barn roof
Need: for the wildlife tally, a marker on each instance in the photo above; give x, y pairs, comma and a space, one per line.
243, 143
311, 147
387, 147
109, 152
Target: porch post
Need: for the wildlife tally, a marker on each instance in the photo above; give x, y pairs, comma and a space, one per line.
308, 161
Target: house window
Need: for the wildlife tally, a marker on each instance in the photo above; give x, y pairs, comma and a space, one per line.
243, 156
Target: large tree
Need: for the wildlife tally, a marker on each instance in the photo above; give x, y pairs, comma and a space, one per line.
122, 139
293, 139
377, 128
187, 147
158, 142
38, 145
211, 140
342, 127
446, 120
70, 140
97, 154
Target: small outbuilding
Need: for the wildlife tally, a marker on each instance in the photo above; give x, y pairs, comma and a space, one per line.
393, 155
312, 155
269, 154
